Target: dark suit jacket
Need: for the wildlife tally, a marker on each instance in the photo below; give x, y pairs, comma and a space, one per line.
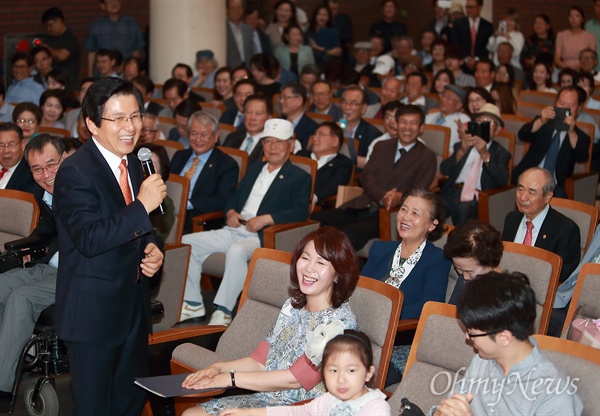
334, 111
493, 175
233, 54
228, 117
235, 139
427, 281
461, 35
46, 228
154, 108
558, 234
21, 179
265, 42
215, 185
540, 142
101, 242
287, 199
305, 128
416, 169
335, 172
365, 133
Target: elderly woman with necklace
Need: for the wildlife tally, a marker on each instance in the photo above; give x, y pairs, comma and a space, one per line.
413, 265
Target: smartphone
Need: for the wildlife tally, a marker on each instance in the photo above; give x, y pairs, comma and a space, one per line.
559, 118
479, 129
502, 26
444, 4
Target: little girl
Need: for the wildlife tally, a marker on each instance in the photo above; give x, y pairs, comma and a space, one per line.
347, 366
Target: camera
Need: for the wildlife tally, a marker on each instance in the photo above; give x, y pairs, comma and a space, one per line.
479, 129
502, 26
559, 118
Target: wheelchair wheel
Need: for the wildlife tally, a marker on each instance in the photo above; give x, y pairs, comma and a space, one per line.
46, 404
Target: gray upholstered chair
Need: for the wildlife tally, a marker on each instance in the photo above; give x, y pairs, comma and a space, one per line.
495, 203
178, 188
20, 215
376, 306
437, 138
584, 215
543, 270
585, 302
170, 146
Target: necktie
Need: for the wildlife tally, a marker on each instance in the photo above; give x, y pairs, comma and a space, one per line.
440, 120
2, 172
239, 120
190, 172
124, 182
249, 144
469, 190
401, 152
552, 154
473, 37
528, 240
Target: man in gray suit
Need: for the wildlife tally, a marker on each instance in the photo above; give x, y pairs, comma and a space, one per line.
415, 87
239, 35
564, 293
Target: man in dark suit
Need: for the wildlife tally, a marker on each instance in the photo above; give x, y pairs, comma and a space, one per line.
469, 27
293, 101
235, 117
146, 87
14, 170
475, 165
182, 113
322, 100
107, 252
415, 86
257, 110
536, 223
388, 27
395, 166
239, 35
334, 169
213, 175
556, 145
26, 292
261, 43
354, 105
272, 192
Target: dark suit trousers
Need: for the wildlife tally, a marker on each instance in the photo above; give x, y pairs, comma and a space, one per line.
460, 212
360, 225
93, 365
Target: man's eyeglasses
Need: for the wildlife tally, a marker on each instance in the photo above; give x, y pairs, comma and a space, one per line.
149, 130
485, 334
26, 121
122, 120
51, 168
9, 146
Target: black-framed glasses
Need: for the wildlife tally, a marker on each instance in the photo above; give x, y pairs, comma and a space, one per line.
121, 120
485, 334
51, 168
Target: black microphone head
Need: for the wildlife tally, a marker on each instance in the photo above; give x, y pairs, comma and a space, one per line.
144, 154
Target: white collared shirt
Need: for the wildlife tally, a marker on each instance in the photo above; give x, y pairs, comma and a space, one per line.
462, 176
7, 175
259, 190
419, 101
323, 160
537, 224
114, 162
255, 140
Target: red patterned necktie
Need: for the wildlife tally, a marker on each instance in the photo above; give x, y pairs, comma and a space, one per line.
2, 172
124, 182
528, 240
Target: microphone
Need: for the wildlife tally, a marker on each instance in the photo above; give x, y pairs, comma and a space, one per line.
145, 157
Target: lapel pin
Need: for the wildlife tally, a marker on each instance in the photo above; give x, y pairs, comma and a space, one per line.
280, 176
544, 237
210, 166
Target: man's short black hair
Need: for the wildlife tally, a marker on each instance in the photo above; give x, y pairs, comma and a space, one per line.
103, 90
34, 51
188, 69
581, 94
259, 97
421, 76
52, 13
297, 89
495, 302
334, 130
36, 144
487, 61
20, 56
186, 108
391, 106
244, 82
145, 82
411, 109
12, 127
175, 83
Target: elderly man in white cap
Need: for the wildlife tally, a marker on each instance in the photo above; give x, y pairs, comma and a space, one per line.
478, 163
272, 192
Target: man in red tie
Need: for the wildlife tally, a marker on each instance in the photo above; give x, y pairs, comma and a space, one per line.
471, 33
537, 224
107, 253
14, 170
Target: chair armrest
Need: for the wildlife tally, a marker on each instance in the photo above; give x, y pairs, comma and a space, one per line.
407, 324
272, 234
484, 207
176, 334
345, 193
582, 187
199, 221
385, 223
27, 243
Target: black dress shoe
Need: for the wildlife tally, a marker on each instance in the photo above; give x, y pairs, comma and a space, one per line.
5, 399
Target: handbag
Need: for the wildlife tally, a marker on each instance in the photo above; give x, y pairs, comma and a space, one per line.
410, 409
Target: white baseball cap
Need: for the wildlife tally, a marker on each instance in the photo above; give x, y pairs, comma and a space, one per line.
279, 128
384, 64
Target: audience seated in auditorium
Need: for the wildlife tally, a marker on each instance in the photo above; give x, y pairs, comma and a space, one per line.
174, 92
239, 35
206, 66
415, 86
180, 132
485, 72
322, 37
454, 59
260, 40
449, 115
42, 63
14, 172
184, 73
72, 116
23, 88
106, 62
265, 70
150, 130
322, 100
235, 116
28, 117
146, 87
388, 27
292, 101
462, 33
389, 123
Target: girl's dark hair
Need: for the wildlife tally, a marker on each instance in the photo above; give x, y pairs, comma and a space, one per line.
546, 19
355, 342
335, 247
59, 95
437, 75
265, 63
476, 240
508, 103
482, 92
312, 26
511, 73
436, 209
581, 12
548, 82
223, 69
287, 30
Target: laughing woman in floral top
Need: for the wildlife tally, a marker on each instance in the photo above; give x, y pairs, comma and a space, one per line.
283, 368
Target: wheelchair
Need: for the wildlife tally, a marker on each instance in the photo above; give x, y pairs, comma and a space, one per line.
43, 353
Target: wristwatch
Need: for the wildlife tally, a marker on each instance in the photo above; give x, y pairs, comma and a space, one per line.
232, 374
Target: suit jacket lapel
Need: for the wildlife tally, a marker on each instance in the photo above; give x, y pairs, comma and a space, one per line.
278, 182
